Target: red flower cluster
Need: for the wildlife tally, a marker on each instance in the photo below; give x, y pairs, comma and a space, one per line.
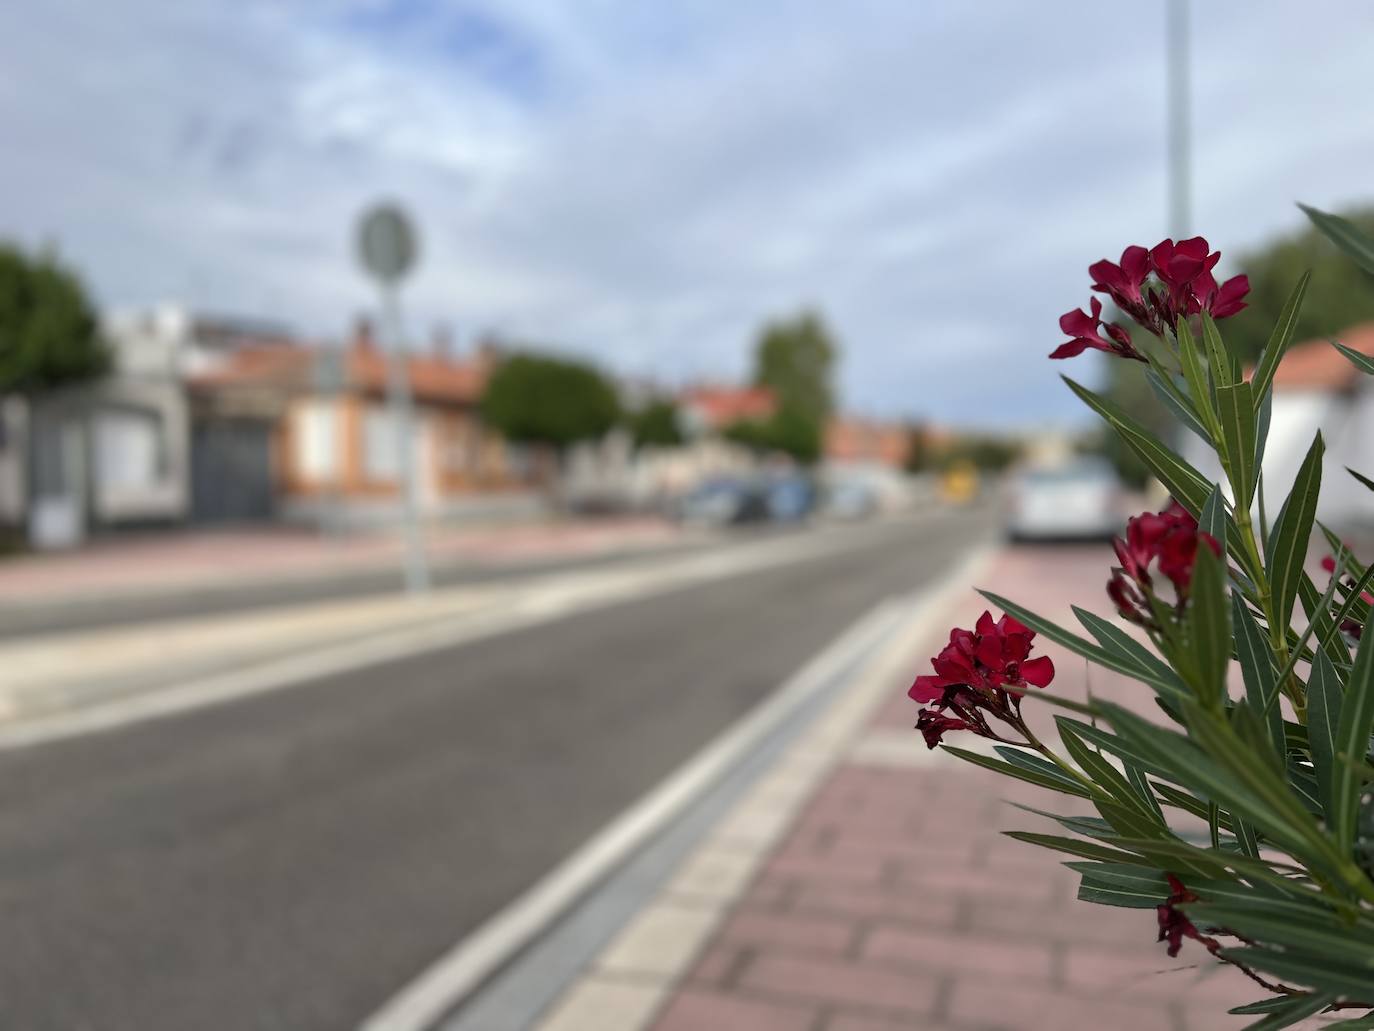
1353, 627
984, 670
1170, 540
1175, 926
1183, 285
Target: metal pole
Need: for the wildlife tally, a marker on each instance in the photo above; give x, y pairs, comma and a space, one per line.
1180, 160
399, 400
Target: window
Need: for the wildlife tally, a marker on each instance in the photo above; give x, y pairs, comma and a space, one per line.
381, 446
317, 440
129, 448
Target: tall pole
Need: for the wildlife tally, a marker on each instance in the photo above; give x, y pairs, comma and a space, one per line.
1180, 160
402, 421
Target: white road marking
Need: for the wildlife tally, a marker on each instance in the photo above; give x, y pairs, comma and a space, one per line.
436, 991
544, 599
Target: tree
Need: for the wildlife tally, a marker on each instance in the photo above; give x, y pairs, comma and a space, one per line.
47, 325
791, 431
1340, 294
656, 425
539, 399
794, 358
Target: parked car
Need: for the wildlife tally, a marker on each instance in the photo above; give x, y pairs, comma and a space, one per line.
1080, 499
851, 499
723, 501
788, 499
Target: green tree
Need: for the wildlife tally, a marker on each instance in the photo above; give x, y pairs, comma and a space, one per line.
539, 399
794, 358
791, 431
1339, 295
47, 325
656, 425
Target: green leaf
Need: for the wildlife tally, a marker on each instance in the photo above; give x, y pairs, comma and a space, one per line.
1101, 772
1279, 341
1072, 846
1351, 745
1257, 667
1121, 884
1266, 415
1345, 235
1079, 646
1181, 411
1195, 375
1056, 782
1236, 413
1361, 361
1313, 934
1225, 368
1325, 698
1364, 1023
1292, 532
1325, 974
1212, 518
1293, 1008
1149, 668
1209, 628
1361, 477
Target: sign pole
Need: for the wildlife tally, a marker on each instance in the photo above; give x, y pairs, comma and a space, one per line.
387, 247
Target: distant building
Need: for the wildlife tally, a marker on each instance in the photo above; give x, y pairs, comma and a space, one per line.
334, 446
710, 409
854, 441
1316, 387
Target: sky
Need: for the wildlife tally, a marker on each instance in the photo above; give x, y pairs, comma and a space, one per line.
644, 184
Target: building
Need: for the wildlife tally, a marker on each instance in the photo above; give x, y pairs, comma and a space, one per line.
334, 443
1316, 387
854, 441
710, 409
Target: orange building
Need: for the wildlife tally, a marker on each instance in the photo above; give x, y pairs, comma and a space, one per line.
866, 441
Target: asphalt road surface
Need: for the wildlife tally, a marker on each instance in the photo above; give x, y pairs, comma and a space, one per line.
291, 860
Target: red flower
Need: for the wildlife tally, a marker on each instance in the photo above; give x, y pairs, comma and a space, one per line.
1083, 327
1175, 926
1182, 285
984, 670
1169, 539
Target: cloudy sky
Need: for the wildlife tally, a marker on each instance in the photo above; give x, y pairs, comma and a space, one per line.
644, 182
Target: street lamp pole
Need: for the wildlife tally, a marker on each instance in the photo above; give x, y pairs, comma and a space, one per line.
1180, 160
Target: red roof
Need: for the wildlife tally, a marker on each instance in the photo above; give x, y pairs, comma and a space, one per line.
1316, 365
718, 407
292, 366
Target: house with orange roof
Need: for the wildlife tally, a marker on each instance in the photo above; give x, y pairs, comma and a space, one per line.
1316, 387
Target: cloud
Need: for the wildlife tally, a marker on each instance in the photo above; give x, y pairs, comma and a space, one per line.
646, 183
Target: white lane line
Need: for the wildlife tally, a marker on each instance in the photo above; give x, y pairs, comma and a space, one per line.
421, 1004
548, 599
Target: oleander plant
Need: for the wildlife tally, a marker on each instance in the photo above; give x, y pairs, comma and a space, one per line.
1236, 799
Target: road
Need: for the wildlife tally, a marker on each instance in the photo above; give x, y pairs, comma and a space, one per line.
289, 861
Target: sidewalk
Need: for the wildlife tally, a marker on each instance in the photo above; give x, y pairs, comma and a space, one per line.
181, 560
863, 885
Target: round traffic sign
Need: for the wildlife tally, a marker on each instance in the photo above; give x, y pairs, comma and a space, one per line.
386, 242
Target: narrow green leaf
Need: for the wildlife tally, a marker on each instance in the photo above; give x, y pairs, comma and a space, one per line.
1212, 518
1292, 532
1151, 669
1294, 1009
1257, 667
1057, 782
1141, 783
1317, 935
1079, 646
1325, 698
1361, 361
1101, 772
1344, 234
1279, 340
1262, 421
1323, 974
1236, 412
1225, 369
1351, 745
1121, 884
1178, 408
1364, 1023
1073, 846
1361, 477
1209, 628
1195, 375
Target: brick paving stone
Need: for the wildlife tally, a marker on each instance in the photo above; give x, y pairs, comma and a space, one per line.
698, 1010
854, 1022
840, 982
821, 897
937, 950
717, 964
1023, 1007
790, 932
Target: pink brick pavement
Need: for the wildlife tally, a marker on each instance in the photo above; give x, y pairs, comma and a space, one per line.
894, 902
179, 560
